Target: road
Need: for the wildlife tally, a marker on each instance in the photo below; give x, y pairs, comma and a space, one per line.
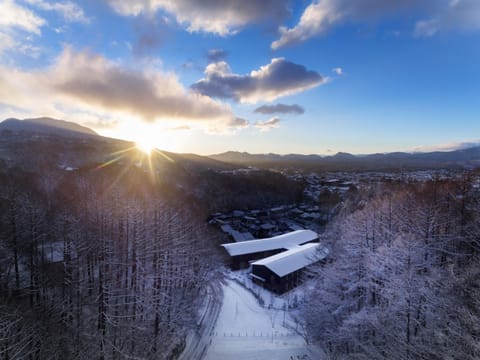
198, 341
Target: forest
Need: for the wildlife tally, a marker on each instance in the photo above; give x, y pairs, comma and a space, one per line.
403, 278
99, 264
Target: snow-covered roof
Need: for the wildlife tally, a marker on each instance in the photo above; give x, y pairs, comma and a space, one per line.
295, 259
284, 241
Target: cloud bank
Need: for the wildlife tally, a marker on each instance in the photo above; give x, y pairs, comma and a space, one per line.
322, 15
221, 17
277, 79
90, 83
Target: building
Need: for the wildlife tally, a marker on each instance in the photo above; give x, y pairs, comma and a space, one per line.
242, 253
282, 272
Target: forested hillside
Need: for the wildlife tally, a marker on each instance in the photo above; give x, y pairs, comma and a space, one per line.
403, 279
105, 251
98, 265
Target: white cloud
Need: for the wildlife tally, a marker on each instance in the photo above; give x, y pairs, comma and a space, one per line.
222, 17
69, 10
322, 15
6, 42
82, 82
268, 125
317, 18
426, 28
338, 71
133, 8
14, 16
277, 79
462, 15
15, 22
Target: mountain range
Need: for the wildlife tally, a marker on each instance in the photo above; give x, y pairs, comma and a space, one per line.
466, 158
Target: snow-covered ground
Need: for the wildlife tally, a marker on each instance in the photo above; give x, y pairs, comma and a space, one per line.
198, 341
247, 331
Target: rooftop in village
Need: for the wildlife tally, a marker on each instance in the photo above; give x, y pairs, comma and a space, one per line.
294, 259
285, 241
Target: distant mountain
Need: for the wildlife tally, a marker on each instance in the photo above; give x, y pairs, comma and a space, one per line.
45, 125
253, 159
343, 156
193, 162
82, 146
344, 161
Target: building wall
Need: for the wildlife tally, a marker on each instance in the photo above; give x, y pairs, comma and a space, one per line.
242, 261
274, 282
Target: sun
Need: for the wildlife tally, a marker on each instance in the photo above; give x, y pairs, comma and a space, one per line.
147, 138
145, 145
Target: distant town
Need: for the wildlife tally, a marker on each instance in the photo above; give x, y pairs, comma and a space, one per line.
322, 196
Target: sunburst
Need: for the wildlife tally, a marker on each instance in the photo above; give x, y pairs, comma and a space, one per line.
145, 145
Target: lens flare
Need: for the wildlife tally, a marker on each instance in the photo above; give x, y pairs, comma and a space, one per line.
145, 145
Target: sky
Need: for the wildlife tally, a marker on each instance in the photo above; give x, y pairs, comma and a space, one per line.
280, 76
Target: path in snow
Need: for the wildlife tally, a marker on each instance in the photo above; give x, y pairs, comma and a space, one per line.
197, 342
247, 331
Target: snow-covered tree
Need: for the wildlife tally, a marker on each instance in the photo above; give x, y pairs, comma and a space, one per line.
387, 291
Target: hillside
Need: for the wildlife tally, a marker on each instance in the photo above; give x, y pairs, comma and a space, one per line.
45, 146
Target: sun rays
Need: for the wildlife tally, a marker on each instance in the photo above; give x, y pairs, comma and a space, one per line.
142, 155
146, 146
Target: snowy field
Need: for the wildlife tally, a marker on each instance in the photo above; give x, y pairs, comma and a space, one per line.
247, 331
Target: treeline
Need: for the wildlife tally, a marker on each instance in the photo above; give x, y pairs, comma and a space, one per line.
251, 190
403, 279
102, 264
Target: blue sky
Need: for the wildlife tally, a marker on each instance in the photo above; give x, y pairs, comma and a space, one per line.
259, 76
